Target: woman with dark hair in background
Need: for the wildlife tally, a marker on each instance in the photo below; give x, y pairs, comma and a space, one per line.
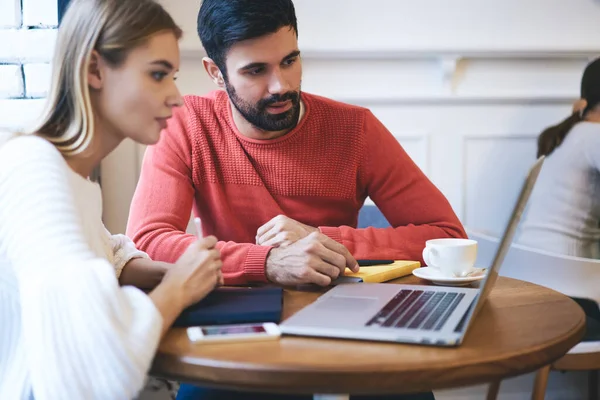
564, 210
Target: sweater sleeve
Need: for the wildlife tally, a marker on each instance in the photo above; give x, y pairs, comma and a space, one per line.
162, 204
416, 209
123, 251
83, 335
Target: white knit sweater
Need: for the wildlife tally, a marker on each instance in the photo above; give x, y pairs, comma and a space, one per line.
563, 215
67, 330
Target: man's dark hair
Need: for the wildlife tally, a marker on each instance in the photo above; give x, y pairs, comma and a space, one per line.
223, 23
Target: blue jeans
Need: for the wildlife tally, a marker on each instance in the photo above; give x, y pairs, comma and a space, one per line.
191, 392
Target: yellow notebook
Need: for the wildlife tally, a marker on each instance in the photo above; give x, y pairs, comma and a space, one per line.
384, 273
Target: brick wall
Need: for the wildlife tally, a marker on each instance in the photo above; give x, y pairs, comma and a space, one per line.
27, 37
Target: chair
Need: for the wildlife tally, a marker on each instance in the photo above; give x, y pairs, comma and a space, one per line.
573, 276
370, 216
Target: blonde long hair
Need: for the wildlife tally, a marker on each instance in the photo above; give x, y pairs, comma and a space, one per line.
112, 28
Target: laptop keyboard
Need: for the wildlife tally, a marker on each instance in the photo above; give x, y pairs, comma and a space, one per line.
417, 309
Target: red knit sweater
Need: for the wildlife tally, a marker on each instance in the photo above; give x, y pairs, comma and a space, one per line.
319, 174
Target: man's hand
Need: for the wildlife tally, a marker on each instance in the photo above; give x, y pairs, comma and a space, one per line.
282, 231
314, 259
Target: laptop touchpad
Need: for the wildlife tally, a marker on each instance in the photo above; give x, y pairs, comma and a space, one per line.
347, 303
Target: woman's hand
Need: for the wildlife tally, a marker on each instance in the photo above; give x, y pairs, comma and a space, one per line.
197, 272
192, 277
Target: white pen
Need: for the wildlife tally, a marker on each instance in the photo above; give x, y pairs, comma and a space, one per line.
198, 225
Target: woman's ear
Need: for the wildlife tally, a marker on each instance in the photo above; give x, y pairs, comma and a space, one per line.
579, 106
95, 71
213, 71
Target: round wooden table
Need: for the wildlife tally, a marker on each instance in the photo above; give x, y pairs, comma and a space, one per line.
521, 328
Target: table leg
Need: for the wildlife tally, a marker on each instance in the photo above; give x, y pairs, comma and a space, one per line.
331, 397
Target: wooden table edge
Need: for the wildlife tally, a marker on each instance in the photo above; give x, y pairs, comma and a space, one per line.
326, 381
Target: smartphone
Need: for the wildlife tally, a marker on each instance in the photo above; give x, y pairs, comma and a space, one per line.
234, 333
369, 263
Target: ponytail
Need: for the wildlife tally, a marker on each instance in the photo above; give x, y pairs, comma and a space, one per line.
553, 136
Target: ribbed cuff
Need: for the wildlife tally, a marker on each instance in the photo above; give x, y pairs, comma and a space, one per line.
256, 260
333, 233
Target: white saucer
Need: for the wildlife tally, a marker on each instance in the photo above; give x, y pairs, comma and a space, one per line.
434, 275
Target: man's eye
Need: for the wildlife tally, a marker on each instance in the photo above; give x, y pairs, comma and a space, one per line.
290, 61
256, 71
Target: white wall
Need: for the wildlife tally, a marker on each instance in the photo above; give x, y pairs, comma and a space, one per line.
27, 36
465, 86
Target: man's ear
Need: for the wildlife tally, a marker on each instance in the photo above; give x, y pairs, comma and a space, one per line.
95, 71
213, 71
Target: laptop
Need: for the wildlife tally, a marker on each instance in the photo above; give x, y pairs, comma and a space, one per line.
429, 315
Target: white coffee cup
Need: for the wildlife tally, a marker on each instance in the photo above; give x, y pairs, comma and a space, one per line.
452, 257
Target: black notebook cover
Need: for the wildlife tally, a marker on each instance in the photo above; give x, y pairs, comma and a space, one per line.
235, 305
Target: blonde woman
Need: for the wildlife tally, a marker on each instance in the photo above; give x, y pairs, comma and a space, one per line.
68, 330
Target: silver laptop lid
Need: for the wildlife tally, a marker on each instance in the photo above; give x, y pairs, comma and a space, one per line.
505, 242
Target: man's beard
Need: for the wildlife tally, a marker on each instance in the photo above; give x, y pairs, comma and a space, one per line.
258, 115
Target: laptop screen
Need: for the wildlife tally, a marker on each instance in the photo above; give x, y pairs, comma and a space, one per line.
507, 237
